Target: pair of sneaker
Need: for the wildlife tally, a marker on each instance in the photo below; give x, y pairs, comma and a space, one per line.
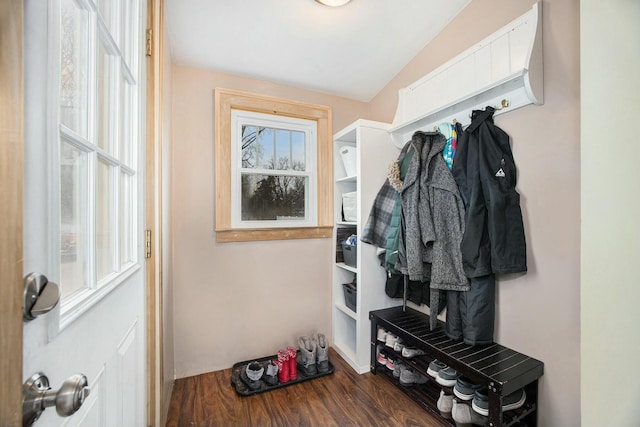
392, 341
314, 355
464, 416
465, 389
385, 359
408, 376
480, 402
443, 374
461, 413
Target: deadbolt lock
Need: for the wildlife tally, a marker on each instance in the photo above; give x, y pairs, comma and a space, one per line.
40, 296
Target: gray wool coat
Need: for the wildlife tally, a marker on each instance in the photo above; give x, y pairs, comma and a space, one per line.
433, 215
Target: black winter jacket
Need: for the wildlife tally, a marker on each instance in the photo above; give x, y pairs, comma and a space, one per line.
485, 172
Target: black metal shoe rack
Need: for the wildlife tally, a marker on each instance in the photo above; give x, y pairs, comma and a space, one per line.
499, 368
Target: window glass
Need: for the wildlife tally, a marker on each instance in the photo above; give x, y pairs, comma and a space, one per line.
283, 149
106, 123
104, 221
73, 218
265, 148
273, 197
273, 187
74, 29
124, 139
125, 219
298, 151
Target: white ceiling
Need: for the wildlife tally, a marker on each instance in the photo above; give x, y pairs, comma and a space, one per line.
351, 51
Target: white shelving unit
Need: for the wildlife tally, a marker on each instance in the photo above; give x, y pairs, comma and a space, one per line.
374, 152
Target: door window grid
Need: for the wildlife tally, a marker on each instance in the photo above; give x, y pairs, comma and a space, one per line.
99, 136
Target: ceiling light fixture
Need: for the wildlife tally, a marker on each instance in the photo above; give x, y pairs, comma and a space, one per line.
333, 3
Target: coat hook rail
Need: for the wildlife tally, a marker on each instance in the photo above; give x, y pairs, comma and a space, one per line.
503, 104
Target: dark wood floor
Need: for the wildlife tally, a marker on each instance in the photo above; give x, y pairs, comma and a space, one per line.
341, 399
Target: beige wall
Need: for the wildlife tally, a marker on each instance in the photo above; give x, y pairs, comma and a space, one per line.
538, 313
236, 301
610, 212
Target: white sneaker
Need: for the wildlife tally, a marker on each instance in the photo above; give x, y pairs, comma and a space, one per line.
398, 346
390, 340
409, 352
382, 335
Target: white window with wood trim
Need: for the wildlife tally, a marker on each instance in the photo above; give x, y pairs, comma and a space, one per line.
273, 168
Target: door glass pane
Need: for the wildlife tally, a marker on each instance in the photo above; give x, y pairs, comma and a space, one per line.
73, 218
104, 221
125, 121
125, 219
128, 35
272, 197
74, 36
105, 81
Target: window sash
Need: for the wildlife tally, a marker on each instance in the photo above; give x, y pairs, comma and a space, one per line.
241, 119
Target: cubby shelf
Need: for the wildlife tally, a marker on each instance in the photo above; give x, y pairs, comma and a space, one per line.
373, 153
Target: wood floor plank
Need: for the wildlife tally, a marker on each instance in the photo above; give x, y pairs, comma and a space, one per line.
342, 399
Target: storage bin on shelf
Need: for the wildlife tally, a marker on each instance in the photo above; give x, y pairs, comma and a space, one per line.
350, 295
348, 155
350, 206
350, 253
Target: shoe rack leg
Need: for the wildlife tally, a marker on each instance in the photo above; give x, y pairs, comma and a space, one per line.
374, 337
495, 407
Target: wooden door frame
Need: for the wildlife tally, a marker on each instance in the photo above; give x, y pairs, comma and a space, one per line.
11, 209
153, 213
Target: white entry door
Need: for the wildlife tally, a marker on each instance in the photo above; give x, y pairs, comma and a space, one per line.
83, 203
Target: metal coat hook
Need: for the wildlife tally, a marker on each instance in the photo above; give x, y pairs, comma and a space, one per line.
503, 104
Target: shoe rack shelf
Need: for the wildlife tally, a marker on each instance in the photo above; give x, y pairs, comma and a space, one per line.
500, 369
373, 152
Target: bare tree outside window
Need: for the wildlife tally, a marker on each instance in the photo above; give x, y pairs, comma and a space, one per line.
277, 196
